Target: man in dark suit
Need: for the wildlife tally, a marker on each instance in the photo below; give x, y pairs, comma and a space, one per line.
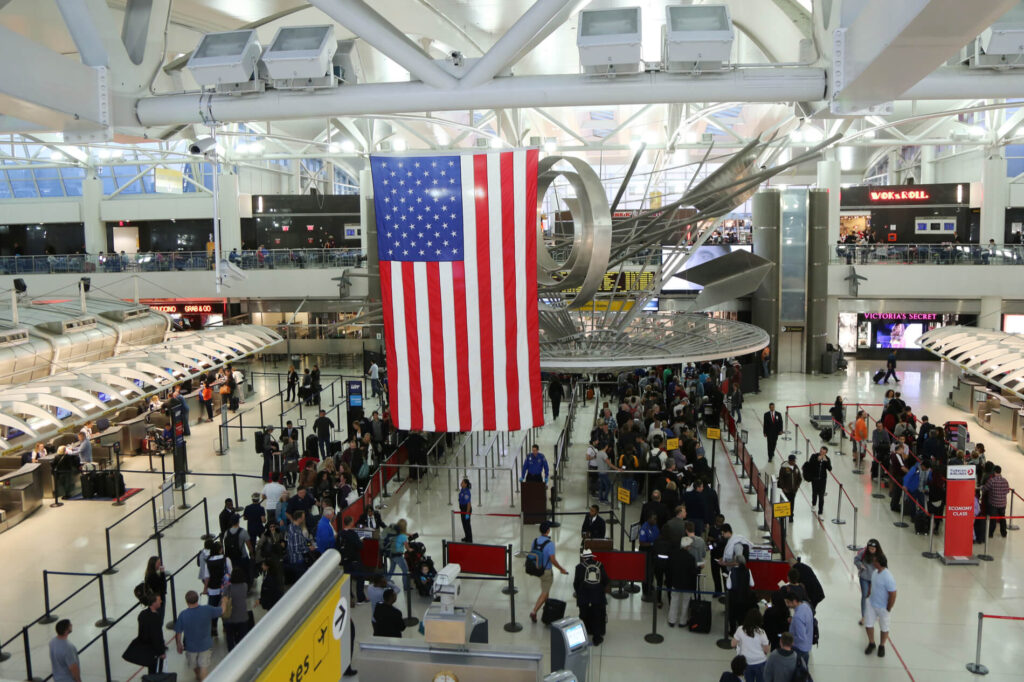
593, 524
773, 426
291, 431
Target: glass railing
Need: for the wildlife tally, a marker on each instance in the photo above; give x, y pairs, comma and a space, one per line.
168, 261
927, 254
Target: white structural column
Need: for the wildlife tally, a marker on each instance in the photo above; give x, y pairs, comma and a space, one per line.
227, 206
994, 189
927, 175
893, 172
829, 179
832, 319
991, 316
94, 227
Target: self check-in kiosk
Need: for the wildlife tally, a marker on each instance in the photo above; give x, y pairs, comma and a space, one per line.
570, 647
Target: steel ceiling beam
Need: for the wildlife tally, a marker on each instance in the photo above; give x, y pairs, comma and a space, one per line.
888, 46
753, 84
377, 31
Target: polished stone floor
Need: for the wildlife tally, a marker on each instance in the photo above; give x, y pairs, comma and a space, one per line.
934, 621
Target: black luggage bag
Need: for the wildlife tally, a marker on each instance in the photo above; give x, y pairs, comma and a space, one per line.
700, 616
89, 485
878, 376
111, 484
921, 522
554, 609
312, 444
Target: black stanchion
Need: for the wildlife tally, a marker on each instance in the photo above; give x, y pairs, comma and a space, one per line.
103, 622
156, 530
174, 602
206, 520
512, 625
653, 637
28, 656
110, 570
106, 655
410, 619
510, 589
726, 641
4, 655
47, 616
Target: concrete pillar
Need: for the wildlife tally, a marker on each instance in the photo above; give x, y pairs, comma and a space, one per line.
832, 320
227, 206
818, 247
829, 179
991, 316
95, 230
368, 234
927, 165
995, 191
766, 216
893, 175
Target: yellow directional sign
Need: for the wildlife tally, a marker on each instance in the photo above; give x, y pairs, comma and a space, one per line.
315, 651
624, 495
714, 434
782, 510
672, 444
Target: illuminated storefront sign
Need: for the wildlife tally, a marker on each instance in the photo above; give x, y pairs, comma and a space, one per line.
902, 317
899, 195
186, 307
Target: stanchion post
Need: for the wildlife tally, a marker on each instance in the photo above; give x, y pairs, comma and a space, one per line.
838, 520
985, 556
931, 553
1010, 525
103, 622
726, 641
47, 616
878, 494
110, 570
853, 545
512, 625
975, 666
410, 619
156, 530
174, 602
903, 503
653, 637
4, 656
106, 655
241, 429
28, 655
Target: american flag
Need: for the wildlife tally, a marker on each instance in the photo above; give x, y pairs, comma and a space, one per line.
457, 243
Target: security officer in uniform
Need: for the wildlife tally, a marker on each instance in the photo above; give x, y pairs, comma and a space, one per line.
466, 509
535, 467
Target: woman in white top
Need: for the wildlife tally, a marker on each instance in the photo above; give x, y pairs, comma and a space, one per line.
751, 642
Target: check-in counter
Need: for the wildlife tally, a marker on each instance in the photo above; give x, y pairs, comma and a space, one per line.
21, 493
998, 414
963, 394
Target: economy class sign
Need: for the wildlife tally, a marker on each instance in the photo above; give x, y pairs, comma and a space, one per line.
318, 651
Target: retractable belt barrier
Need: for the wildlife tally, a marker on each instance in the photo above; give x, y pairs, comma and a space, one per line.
975, 666
486, 562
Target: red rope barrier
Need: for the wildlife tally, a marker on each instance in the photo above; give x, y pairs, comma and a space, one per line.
985, 615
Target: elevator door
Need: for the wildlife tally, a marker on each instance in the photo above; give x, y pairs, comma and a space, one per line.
791, 354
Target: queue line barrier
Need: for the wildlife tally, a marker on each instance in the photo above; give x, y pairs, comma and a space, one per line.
485, 562
838, 520
976, 666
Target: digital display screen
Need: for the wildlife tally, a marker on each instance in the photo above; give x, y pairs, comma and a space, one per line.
104, 398
61, 413
575, 636
897, 335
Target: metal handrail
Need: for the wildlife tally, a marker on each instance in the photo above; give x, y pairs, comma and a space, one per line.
936, 253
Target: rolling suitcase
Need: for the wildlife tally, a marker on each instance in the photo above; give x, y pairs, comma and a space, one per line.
311, 443
554, 609
89, 485
112, 485
700, 616
921, 523
878, 376
334, 447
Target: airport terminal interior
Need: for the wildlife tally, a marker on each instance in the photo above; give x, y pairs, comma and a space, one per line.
450, 275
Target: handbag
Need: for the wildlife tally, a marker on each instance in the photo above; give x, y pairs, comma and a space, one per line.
138, 652
225, 607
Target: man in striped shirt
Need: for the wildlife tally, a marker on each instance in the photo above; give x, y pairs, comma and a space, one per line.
996, 489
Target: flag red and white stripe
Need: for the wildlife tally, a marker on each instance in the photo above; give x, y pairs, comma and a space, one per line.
462, 335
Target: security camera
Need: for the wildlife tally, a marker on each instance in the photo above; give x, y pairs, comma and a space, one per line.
201, 146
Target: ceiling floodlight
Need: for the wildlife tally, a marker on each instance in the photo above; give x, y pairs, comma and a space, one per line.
697, 37
609, 40
300, 56
225, 58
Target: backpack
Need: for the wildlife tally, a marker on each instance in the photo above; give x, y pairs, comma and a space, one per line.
808, 470
535, 558
624, 462
387, 542
233, 545
592, 573
364, 471
653, 461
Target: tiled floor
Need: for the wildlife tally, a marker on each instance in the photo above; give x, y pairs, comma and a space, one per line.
934, 622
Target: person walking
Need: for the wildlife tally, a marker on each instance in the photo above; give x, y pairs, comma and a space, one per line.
148, 648
546, 546
535, 466
322, 427
466, 509
293, 383
996, 490
192, 634
63, 655
736, 402
864, 561
396, 552
374, 374
555, 393
801, 626
789, 481
751, 642
589, 583
773, 426
782, 663
816, 471
890, 367
881, 599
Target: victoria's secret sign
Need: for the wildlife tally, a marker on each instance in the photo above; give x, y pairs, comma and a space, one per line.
902, 317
